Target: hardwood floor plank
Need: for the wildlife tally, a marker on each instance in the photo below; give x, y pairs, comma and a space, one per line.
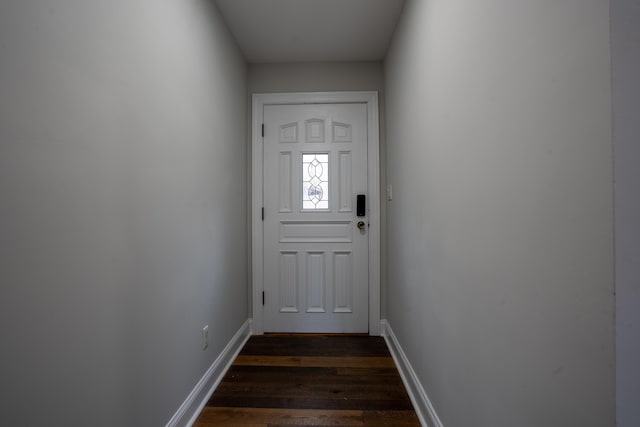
385, 377
273, 416
309, 388
315, 403
390, 418
253, 417
230, 424
318, 345
315, 361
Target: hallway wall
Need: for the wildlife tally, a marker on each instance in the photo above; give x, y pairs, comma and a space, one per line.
501, 225
122, 207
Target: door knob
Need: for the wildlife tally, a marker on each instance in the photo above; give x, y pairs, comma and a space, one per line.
361, 225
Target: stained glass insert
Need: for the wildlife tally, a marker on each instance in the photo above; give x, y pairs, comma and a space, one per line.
315, 181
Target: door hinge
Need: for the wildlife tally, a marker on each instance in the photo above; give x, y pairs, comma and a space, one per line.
263, 130
263, 214
262, 297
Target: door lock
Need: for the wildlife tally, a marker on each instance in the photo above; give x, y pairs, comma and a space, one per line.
361, 204
361, 225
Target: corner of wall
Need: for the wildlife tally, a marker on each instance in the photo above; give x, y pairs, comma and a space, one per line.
188, 412
421, 403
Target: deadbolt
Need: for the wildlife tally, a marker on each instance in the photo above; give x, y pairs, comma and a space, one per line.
361, 225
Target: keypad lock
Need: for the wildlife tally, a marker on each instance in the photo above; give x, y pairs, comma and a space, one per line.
361, 205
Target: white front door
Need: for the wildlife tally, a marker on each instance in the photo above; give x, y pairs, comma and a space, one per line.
316, 268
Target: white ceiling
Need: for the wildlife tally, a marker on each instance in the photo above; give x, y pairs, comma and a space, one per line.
311, 30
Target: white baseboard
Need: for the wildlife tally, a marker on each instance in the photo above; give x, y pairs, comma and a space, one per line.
421, 403
188, 412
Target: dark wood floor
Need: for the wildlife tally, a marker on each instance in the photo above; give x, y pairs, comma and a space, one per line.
311, 380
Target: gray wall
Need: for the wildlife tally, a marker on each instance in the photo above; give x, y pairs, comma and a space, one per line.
122, 207
625, 52
501, 227
327, 77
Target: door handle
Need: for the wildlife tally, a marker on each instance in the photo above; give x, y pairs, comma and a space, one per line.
361, 225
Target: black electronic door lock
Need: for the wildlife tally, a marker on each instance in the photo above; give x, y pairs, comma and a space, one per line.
361, 205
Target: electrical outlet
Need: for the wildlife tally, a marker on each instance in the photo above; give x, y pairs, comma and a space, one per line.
205, 337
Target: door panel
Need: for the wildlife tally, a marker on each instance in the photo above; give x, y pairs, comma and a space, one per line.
315, 257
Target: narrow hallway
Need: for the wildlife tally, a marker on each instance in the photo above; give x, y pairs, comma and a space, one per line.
505, 182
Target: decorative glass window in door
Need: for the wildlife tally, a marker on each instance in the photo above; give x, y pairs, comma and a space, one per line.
315, 181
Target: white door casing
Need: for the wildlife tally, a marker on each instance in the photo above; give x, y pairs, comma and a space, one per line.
320, 272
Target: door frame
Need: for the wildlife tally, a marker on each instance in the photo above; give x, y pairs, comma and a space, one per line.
259, 101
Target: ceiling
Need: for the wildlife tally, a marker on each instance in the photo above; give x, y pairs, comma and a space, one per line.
311, 30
